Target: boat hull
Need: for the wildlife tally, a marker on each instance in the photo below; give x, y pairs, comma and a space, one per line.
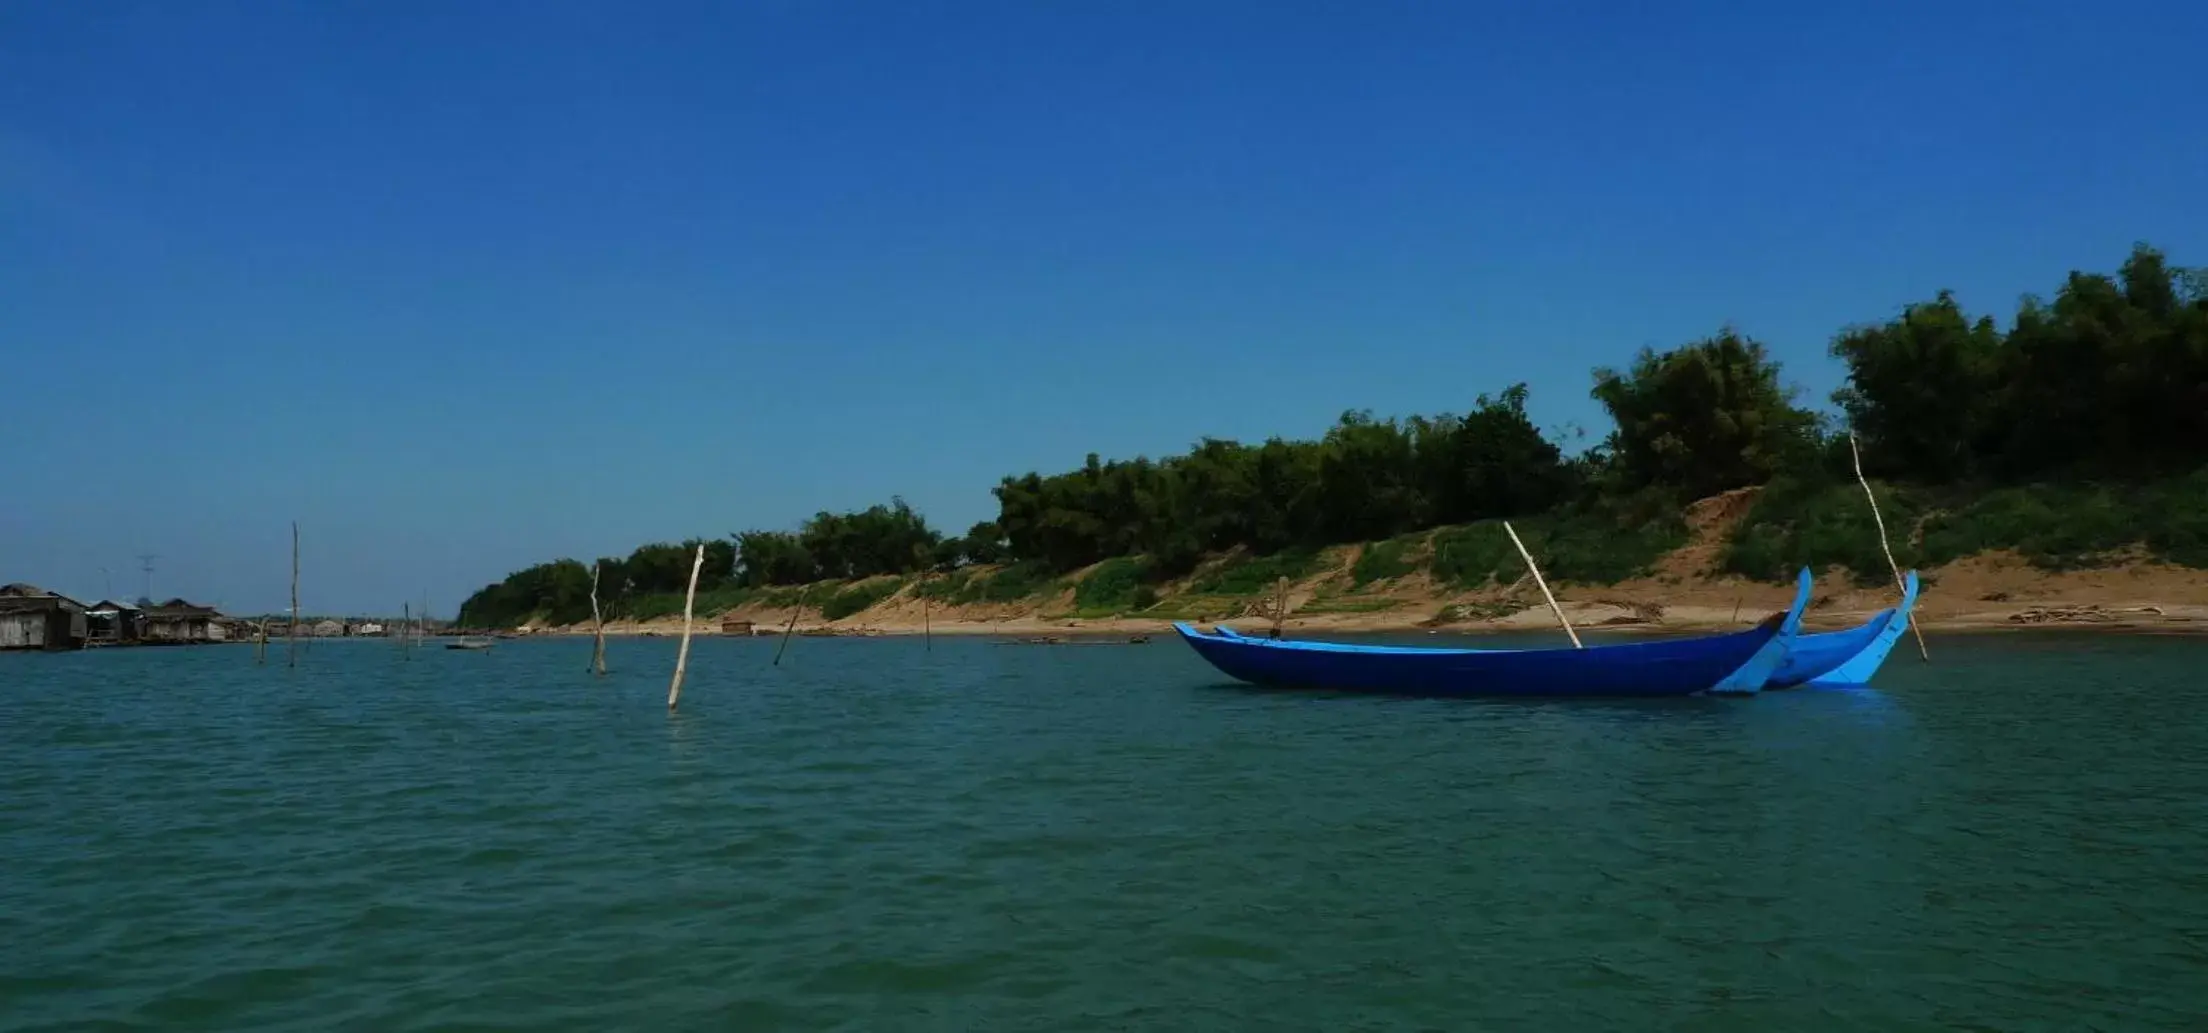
1738, 662
1850, 657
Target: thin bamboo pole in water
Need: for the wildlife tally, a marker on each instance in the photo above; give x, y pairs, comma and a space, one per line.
1899, 586
1543, 582
598, 627
788, 628
682, 654
291, 642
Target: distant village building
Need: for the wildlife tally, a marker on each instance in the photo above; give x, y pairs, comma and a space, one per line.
735, 626
368, 628
34, 618
328, 629
177, 622
110, 623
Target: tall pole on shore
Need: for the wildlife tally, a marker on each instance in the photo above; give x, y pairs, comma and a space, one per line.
291, 645
682, 655
926, 563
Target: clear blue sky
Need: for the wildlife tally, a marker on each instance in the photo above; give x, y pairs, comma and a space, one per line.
465, 286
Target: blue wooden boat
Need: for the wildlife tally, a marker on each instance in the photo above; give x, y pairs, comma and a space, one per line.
1849, 657
1740, 662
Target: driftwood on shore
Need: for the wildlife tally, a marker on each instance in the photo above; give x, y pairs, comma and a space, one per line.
2089, 613
1061, 640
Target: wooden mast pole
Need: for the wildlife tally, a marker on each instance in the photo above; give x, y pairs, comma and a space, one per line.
1543, 582
1857, 454
682, 655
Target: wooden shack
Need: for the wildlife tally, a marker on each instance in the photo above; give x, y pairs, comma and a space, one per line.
735, 626
110, 623
33, 618
177, 622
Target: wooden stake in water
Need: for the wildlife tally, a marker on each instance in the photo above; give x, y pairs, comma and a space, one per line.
788, 628
598, 627
682, 655
291, 643
1543, 582
260, 644
406, 631
1280, 605
1857, 455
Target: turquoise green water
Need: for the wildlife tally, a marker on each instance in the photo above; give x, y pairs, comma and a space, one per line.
877, 838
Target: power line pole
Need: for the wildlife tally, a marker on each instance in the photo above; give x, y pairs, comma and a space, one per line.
145, 567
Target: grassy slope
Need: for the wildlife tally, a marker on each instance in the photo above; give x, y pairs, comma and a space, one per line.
1466, 571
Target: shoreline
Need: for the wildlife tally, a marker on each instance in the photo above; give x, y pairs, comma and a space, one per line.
2139, 618
1987, 593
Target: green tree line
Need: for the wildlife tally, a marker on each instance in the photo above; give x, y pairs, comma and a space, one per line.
2108, 380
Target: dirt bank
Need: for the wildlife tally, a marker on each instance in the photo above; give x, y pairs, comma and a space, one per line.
1685, 592
1982, 593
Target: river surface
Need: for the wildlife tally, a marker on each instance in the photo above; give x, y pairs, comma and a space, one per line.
874, 836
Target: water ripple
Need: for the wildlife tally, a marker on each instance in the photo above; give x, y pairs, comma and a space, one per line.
877, 837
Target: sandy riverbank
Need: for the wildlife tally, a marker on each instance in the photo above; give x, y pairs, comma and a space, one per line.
1683, 593
2117, 601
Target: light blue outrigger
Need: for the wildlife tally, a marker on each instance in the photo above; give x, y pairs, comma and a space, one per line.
1737, 663
1849, 657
